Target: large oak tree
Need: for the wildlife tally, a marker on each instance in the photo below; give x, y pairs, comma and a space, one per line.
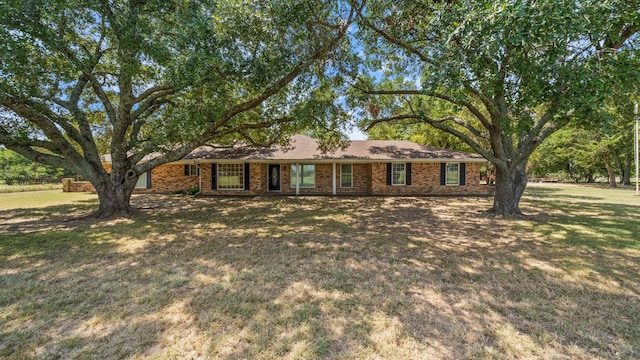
513, 72
158, 78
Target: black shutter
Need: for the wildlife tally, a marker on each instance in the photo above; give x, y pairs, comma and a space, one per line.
186, 170
214, 176
388, 173
149, 179
462, 174
443, 173
246, 176
407, 175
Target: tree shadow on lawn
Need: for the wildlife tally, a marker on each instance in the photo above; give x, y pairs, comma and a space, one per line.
317, 278
58, 217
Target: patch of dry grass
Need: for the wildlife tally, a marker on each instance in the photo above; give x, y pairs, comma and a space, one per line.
40, 199
341, 278
29, 187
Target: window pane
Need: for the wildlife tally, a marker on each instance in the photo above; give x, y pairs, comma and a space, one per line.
397, 174
294, 171
142, 181
452, 174
231, 176
307, 176
346, 175
192, 170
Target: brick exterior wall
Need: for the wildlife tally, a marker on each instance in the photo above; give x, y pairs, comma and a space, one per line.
425, 180
324, 184
257, 180
368, 178
71, 185
361, 180
170, 177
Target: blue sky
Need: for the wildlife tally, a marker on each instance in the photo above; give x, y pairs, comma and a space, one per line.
355, 134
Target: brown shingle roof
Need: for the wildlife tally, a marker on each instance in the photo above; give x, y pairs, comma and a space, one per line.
304, 148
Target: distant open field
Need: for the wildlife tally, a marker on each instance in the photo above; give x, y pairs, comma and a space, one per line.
320, 277
32, 187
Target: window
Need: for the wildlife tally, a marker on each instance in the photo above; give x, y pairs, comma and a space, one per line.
484, 175
191, 170
307, 175
346, 175
398, 174
230, 176
143, 181
453, 174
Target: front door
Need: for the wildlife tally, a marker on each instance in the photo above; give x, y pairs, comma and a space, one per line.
274, 177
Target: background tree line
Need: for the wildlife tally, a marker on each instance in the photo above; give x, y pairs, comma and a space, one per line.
17, 169
581, 153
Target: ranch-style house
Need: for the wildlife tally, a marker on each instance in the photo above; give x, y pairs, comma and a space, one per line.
365, 167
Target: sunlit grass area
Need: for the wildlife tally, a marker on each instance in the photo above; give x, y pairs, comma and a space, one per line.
584, 193
316, 277
39, 199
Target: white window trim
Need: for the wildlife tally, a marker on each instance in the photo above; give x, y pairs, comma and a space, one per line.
404, 178
298, 184
446, 175
351, 182
218, 177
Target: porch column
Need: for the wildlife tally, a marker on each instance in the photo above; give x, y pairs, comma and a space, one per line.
297, 179
334, 178
199, 178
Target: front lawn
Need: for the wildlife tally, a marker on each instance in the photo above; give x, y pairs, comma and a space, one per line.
40, 199
319, 277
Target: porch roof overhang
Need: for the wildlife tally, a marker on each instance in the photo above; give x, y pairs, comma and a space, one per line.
328, 161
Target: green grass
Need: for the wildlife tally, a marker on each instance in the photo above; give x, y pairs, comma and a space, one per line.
586, 194
319, 277
40, 199
33, 187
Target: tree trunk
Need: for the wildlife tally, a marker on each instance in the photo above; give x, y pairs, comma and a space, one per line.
510, 185
114, 192
626, 171
611, 173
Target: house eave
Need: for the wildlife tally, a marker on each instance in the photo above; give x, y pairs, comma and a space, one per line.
329, 161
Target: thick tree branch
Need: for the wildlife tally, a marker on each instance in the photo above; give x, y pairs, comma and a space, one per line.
150, 100
405, 46
27, 149
153, 90
473, 109
439, 124
278, 85
392, 118
22, 108
617, 41
104, 98
85, 137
